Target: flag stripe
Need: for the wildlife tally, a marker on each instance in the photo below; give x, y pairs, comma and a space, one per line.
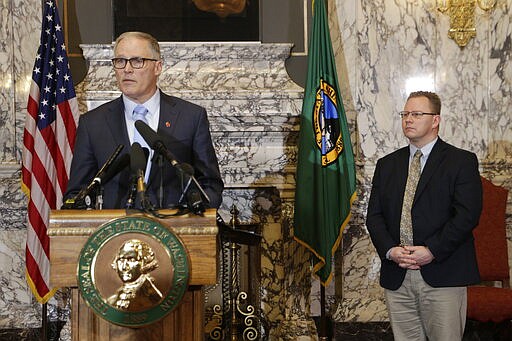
34, 273
43, 174
48, 140
68, 124
53, 152
35, 229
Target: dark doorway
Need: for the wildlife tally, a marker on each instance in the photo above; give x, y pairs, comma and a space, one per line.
180, 20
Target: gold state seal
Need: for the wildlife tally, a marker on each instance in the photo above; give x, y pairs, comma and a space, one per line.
133, 271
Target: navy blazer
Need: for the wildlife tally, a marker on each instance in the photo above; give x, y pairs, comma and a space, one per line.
184, 129
446, 208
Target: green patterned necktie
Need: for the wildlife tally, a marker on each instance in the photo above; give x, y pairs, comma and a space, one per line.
406, 236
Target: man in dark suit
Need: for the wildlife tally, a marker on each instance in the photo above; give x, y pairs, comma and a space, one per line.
426, 243
182, 126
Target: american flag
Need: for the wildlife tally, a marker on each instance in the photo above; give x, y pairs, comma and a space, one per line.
48, 143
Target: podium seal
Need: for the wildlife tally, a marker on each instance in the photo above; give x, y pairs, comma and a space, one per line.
133, 271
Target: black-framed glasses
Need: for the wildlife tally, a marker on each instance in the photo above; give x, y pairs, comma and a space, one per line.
135, 62
415, 114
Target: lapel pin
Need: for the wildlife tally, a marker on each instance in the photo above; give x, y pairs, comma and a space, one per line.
167, 124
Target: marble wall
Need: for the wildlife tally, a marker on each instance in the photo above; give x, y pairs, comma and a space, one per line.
18, 45
382, 48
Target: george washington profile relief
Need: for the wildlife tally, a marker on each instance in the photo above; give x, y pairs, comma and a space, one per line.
133, 263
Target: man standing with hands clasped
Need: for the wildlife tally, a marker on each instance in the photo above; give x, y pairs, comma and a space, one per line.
425, 201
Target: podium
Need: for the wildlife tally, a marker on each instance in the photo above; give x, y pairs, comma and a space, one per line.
69, 230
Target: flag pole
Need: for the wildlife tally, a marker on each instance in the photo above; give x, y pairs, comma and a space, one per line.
323, 319
44, 323
325, 176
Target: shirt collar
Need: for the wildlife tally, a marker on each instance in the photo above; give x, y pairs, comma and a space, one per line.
425, 150
152, 104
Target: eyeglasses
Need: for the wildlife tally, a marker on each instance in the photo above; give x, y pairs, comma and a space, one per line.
135, 62
415, 114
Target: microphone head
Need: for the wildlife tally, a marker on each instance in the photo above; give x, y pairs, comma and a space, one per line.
149, 135
121, 163
187, 168
195, 202
137, 158
146, 153
107, 165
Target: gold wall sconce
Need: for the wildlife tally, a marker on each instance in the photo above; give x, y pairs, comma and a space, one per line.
462, 17
222, 8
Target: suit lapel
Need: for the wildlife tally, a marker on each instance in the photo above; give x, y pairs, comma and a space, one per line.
169, 115
433, 161
115, 118
402, 172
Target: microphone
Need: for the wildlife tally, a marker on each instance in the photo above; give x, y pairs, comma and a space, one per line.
99, 177
195, 202
117, 167
194, 198
106, 172
155, 142
138, 161
193, 191
187, 169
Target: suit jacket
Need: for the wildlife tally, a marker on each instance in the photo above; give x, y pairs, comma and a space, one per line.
445, 210
184, 129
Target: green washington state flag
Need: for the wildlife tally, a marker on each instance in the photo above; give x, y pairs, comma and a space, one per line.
325, 180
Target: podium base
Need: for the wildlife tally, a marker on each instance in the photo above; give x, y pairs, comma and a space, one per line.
182, 324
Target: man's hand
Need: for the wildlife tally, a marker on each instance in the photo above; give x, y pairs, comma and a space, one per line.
411, 257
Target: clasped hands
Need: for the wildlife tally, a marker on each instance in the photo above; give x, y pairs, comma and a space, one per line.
411, 257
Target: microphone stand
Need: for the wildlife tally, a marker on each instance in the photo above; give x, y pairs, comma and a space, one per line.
191, 179
99, 198
160, 193
145, 203
132, 194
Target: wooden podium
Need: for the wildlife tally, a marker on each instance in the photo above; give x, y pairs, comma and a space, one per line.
69, 231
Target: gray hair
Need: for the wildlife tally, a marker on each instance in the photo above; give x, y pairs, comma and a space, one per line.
153, 43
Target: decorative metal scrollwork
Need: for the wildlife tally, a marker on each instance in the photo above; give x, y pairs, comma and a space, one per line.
217, 333
236, 318
249, 332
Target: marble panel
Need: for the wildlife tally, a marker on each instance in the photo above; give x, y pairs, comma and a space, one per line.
19, 307
397, 42
16, 300
460, 79
26, 21
500, 83
6, 84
